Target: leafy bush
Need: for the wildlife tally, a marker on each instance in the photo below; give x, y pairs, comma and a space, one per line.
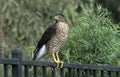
94, 40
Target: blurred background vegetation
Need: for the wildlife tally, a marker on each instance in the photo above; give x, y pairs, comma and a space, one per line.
94, 28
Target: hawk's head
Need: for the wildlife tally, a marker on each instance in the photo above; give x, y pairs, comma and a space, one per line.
59, 18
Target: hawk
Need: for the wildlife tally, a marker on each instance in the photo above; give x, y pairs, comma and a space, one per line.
52, 39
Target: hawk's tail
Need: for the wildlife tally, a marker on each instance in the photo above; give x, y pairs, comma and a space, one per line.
38, 54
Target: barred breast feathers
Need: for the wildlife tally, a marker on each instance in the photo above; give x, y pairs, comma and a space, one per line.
60, 37
62, 29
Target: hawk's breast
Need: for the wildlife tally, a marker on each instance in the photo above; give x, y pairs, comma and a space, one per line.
59, 38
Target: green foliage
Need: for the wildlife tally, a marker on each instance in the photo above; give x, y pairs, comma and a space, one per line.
94, 40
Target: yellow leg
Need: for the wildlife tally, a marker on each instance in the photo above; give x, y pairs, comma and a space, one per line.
57, 56
60, 62
55, 60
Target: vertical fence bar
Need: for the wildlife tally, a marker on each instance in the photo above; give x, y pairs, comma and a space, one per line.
102, 73
86, 73
69, 72
94, 73
5, 70
35, 71
61, 72
78, 72
26, 74
117, 74
17, 68
109, 73
53, 71
44, 71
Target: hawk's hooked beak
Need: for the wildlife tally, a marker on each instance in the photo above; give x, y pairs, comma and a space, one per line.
56, 17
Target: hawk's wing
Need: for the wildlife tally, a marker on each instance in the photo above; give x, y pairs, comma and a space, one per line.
47, 35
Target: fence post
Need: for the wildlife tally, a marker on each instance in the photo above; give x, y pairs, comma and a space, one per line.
17, 68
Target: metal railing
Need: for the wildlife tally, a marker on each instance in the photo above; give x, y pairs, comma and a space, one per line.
20, 68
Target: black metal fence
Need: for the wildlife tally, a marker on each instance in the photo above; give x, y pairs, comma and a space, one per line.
19, 68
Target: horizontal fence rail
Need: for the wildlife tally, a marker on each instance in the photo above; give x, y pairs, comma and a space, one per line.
20, 68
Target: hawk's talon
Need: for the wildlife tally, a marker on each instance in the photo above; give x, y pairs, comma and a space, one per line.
57, 61
61, 64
